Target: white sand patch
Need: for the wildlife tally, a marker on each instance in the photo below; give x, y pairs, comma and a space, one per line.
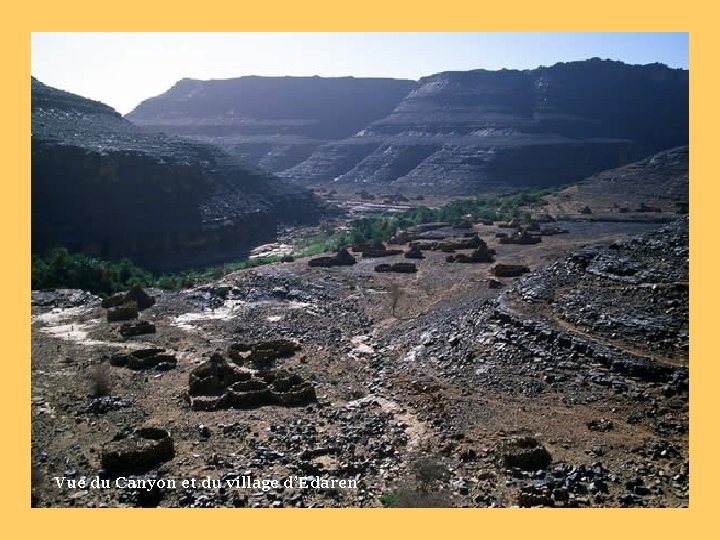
56, 325
231, 308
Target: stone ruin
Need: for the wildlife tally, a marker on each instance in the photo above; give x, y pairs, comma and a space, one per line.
262, 355
510, 270
481, 255
144, 359
140, 451
524, 453
469, 241
123, 307
414, 252
216, 384
125, 312
520, 237
137, 329
377, 249
398, 268
342, 258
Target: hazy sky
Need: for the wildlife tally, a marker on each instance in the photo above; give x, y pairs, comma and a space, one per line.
122, 69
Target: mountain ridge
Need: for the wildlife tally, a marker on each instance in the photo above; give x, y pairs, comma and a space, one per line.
452, 133
166, 202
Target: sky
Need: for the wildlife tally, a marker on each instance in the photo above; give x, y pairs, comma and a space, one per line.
123, 69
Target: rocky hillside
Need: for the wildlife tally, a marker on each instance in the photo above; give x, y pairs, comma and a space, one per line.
651, 186
104, 186
478, 131
273, 122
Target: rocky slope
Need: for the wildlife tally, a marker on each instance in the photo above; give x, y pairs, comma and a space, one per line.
479, 131
273, 122
653, 186
106, 187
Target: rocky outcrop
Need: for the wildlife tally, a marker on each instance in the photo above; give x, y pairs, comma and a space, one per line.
478, 131
657, 183
105, 187
271, 122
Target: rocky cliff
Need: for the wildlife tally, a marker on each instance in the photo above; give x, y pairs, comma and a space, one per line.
106, 187
479, 131
273, 122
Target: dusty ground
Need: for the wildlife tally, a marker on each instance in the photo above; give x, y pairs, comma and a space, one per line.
417, 407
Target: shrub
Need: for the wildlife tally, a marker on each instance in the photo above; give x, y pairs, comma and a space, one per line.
100, 380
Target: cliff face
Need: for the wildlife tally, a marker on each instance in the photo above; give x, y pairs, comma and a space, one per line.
106, 187
475, 131
272, 122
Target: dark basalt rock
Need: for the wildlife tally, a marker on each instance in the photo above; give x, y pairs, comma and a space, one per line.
166, 203
104, 404
141, 451
144, 359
